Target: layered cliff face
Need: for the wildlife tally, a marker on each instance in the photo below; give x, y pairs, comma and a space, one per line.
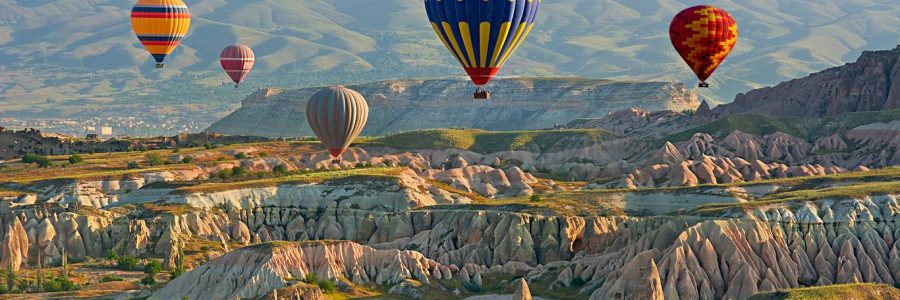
516, 104
871, 83
254, 271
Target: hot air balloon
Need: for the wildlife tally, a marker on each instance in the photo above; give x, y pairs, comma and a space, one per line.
481, 34
337, 115
703, 35
237, 61
160, 25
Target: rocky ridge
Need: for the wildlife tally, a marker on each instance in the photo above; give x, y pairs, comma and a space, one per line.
516, 104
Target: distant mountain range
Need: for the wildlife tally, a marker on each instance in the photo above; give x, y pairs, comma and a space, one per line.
68, 50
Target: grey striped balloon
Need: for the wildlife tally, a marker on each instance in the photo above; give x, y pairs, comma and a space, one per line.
337, 115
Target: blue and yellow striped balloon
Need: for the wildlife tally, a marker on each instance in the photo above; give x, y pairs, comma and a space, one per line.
160, 25
482, 34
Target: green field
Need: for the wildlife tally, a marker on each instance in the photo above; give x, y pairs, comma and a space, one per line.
482, 141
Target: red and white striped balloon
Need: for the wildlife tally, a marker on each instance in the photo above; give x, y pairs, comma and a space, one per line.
237, 60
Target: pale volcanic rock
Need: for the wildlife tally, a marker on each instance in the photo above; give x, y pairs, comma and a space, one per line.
441, 103
637, 121
638, 280
832, 142
865, 85
256, 270
14, 246
487, 181
522, 291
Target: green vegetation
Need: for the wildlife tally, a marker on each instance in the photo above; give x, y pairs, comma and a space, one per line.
154, 159
40, 160
133, 165
314, 177
57, 284
75, 159
153, 267
240, 156
111, 278
809, 129
749, 123
280, 169
858, 291
187, 160
490, 141
327, 286
126, 263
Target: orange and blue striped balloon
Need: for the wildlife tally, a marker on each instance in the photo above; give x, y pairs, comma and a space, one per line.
160, 25
482, 34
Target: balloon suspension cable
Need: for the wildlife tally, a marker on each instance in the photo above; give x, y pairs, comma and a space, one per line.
160, 65
703, 84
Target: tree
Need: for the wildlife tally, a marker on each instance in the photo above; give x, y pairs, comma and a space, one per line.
10, 277
240, 156
75, 159
153, 267
65, 264
126, 262
154, 159
133, 165
280, 169
40, 160
187, 160
149, 280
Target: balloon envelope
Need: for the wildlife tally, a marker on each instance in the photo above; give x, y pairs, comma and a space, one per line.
480, 34
237, 61
337, 115
703, 35
160, 25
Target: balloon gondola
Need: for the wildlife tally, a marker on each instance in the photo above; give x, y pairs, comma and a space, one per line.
703, 35
482, 35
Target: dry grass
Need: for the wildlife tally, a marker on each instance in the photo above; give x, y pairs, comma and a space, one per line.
858, 291
315, 177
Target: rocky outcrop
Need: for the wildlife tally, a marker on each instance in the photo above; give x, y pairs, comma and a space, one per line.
516, 104
638, 122
769, 248
256, 270
869, 84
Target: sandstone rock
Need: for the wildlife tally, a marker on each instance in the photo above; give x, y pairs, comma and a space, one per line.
522, 291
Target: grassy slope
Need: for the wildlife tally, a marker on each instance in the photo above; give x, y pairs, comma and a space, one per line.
315, 177
488, 141
809, 129
860, 291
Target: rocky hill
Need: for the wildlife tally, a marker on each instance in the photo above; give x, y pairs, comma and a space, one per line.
516, 104
872, 83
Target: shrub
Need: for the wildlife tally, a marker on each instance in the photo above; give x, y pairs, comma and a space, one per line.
204, 248
3, 289
210, 146
112, 255
578, 282
175, 273
176, 150
224, 174
59, 285
40, 160
535, 198
149, 280
326, 286
133, 165
187, 160
263, 154
127, 263
154, 159
240, 156
238, 171
75, 159
280, 169
152, 268
111, 278
311, 279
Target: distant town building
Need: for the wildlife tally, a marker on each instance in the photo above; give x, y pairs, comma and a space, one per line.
106, 130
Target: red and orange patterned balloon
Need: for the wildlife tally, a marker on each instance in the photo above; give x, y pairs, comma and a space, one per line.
703, 35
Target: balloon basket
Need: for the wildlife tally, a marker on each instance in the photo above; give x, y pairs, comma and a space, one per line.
237, 86
481, 94
704, 85
160, 65
335, 161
